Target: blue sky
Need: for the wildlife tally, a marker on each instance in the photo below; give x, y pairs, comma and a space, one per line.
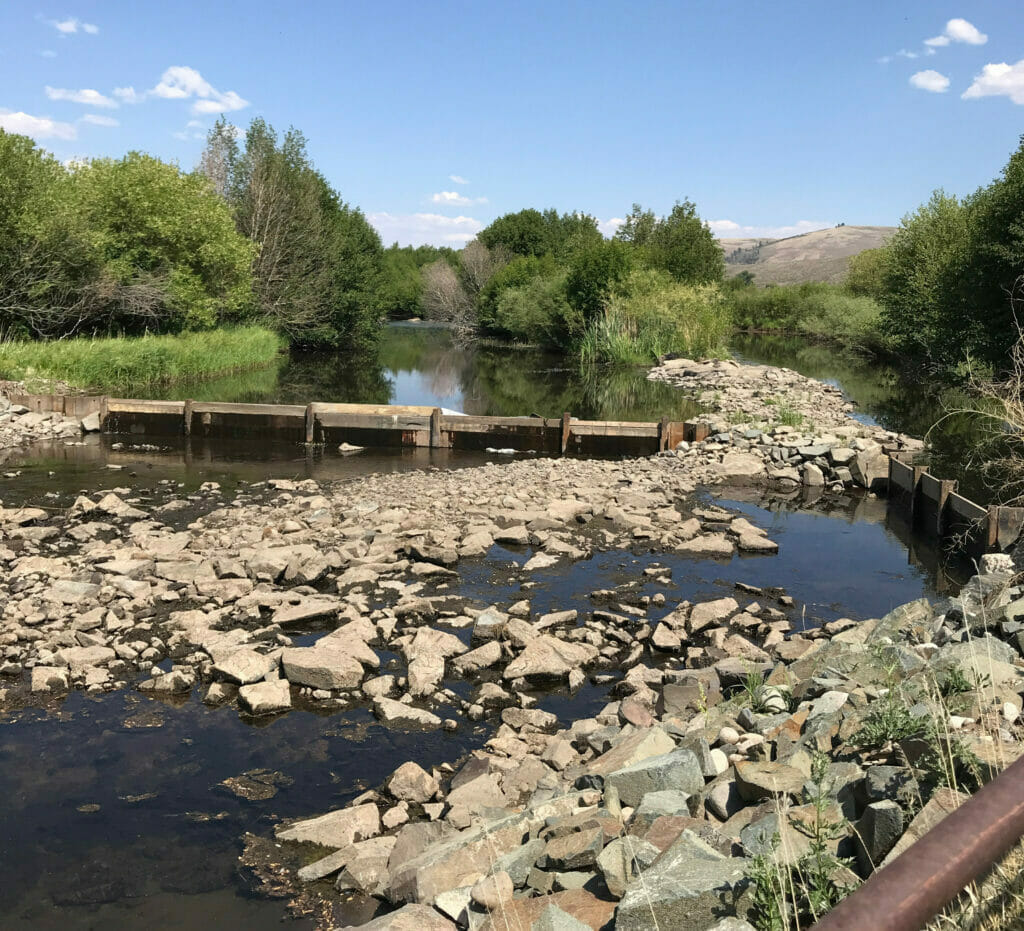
774, 117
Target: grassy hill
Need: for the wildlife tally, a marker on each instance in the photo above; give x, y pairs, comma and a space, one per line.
818, 256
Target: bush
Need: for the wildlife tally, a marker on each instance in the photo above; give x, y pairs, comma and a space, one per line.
593, 272
815, 309
650, 315
516, 274
538, 312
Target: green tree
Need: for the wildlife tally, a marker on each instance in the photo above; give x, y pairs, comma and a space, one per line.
538, 312
592, 273
682, 245
865, 274
516, 274
638, 226
525, 233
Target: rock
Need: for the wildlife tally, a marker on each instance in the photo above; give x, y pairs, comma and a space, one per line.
679, 770
325, 665
82, 658
425, 675
715, 545
91, 423
244, 666
575, 851
409, 918
332, 863
481, 658
623, 860
489, 625
491, 892
265, 697
640, 745
478, 794
943, 801
756, 543
579, 904
877, 832
739, 468
708, 613
687, 889
548, 656
366, 869
336, 829
394, 712
50, 679
756, 781
411, 783
307, 609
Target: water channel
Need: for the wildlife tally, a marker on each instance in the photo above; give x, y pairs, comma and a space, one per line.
115, 812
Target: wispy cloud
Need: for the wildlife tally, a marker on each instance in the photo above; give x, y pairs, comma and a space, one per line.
180, 82
958, 30
68, 27
86, 96
609, 226
730, 229
930, 81
95, 119
458, 179
48, 53
419, 229
38, 127
128, 95
999, 80
455, 199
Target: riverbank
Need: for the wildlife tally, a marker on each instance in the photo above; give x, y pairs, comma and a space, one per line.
121, 364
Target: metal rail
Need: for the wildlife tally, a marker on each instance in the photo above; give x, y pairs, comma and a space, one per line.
932, 872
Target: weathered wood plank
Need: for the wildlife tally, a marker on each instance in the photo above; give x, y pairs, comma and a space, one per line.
966, 509
374, 409
253, 410
127, 406
341, 421
902, 476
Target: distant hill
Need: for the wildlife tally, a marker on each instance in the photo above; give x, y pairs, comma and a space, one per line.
818, 256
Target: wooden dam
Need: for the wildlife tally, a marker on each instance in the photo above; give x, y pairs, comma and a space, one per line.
932, 506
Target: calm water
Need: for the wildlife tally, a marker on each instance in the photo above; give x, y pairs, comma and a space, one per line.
160, 849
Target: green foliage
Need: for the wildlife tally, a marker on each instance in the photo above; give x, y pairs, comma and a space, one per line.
682, 245
815, 309
129, 245
134, 362
518, 273
650, 315
538, 312
789, 417
593, 272
319, 264
865, 274
952, 274
888, 721
531, 233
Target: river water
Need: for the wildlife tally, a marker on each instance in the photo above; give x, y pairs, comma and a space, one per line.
115, 815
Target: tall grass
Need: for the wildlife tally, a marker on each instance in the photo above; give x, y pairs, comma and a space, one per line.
654, 316
124, 363
815, 309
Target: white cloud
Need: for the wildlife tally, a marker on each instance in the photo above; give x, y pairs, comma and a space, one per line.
128, 95
419, 229
38, 127
458, 179
999, 80
930, 81
455, 199
48, 53
180, 82
86, 96
958, 30
730, 229
609, 226
71, 25
96, 119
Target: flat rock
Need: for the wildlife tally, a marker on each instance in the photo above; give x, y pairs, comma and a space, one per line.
244, 666
335, 829
325, 665
549, 656
409, 918
395, 712
265, 697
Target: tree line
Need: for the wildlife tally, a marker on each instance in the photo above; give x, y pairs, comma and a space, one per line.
136, 245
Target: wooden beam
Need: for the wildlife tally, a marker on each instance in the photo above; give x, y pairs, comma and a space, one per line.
310, 423
566, 431
435, 428
663, 434
188, 416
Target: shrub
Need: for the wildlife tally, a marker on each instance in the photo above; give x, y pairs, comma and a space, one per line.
650, 315
538, 312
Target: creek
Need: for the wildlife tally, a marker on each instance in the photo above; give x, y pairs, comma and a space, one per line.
116, 814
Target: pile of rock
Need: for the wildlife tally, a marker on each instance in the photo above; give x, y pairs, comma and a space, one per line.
21, 427
650, 814
748, 443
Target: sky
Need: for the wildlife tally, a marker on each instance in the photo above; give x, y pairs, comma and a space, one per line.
773, 117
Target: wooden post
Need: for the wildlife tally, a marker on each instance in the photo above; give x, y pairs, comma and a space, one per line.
992, 532
435, 428
663, 434
104, 411
946, 488
188, 416
918, 472
566, 431
310, 423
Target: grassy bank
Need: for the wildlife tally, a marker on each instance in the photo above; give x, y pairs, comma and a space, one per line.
123, 363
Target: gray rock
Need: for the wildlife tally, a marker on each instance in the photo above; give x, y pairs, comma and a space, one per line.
876, 833
679, 770
336, 829
412, 783
687, 889
518, 863
394, 712
554, 919
623, 860
412, 917
244, 666
325, 665
265, 697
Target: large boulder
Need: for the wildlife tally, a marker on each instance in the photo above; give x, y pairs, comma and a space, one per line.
547, 656
409, 918
679, 770
266, 697
325, 665
336, 829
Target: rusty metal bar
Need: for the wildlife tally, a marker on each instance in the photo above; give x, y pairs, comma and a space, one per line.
932, 872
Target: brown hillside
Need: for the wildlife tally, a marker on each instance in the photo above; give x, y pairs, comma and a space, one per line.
818, 256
